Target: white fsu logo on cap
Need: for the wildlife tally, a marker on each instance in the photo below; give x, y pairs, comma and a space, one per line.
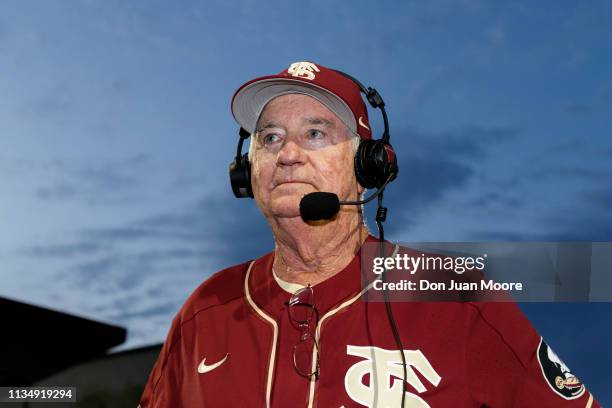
303, 70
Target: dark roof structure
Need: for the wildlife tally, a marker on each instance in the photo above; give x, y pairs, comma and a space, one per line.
36, 342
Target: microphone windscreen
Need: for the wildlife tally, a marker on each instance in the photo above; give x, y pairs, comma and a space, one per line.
319, 206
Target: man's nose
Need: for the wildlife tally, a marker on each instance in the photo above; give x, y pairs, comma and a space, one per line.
290, 153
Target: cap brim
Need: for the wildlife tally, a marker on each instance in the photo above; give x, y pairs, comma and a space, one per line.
249, 101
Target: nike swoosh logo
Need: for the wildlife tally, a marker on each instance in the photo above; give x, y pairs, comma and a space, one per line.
363, 124
203, 368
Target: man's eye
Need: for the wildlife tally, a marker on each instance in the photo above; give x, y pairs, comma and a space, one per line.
315, 134
270, 138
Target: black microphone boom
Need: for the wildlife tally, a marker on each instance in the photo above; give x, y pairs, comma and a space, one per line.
322, 205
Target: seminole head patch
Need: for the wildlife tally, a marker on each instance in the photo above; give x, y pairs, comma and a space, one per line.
557, 374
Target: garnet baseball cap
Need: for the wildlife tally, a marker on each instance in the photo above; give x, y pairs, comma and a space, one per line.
338, 93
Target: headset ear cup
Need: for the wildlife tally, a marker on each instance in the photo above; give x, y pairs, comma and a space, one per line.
360, 172
374, 162
240, 177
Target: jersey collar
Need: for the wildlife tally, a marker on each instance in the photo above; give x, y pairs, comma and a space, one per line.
270, 293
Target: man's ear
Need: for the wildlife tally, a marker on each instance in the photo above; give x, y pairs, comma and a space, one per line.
360, 190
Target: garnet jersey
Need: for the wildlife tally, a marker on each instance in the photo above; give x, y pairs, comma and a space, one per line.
231, 345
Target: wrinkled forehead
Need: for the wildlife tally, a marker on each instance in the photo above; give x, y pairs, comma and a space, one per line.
301, 107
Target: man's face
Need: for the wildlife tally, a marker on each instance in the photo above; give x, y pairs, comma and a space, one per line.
300, 146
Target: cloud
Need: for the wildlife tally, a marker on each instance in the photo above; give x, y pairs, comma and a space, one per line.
90, 272
57, 192
139, 273
601, 198
598, 102
463, 172
112, 175
428, 178
587, 220
234, 229
108, 182
54, 101
68, 250
580, 216
566, 171
208, 235
496, 198
433, 164
165, 253
183, 183
129, 233
578, 227
138, 314
500, 235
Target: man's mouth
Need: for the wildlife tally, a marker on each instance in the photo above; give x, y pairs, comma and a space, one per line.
291, 182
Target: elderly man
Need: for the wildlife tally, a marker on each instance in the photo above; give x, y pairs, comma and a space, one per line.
291, 329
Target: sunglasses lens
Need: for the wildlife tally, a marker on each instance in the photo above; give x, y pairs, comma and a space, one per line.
301, 314
301, 308
303, 354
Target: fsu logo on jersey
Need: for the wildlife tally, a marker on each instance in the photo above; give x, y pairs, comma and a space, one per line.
557, 374
381, 366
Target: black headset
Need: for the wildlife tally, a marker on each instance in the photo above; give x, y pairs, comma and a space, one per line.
375, 160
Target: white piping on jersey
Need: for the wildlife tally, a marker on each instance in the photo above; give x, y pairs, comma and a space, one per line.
274, 336
590, 401
318, 330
